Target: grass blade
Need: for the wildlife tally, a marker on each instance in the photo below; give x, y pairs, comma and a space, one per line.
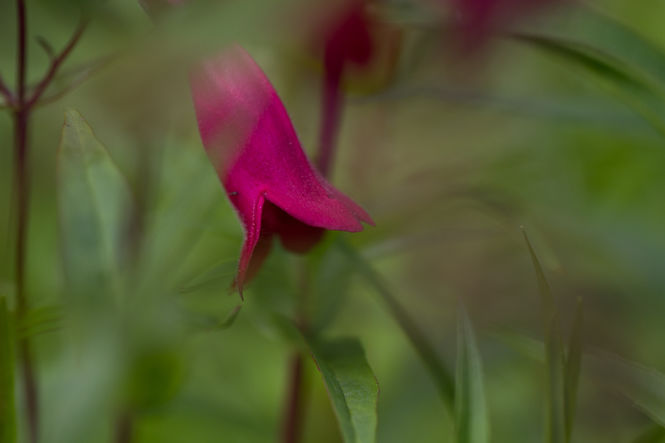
440, 373
555, 425
471, 417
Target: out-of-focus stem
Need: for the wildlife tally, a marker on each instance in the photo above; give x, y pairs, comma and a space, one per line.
124, 427
293, 419
22, 193
440, 374
292, 422
330, 118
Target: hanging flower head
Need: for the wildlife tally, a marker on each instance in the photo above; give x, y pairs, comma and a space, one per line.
252, 144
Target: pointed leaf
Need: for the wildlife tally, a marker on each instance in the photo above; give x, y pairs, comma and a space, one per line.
572, 370
351, 385
555, 425
631, 87
7, 379
471, 417
93, 199
543, 286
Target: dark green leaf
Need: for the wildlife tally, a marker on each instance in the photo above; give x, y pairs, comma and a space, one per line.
439, 372
471, 417
351, 385
616, 76
7, 405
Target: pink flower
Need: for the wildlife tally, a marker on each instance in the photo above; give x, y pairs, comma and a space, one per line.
252, 144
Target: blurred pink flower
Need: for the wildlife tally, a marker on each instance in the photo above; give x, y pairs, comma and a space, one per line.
251, 142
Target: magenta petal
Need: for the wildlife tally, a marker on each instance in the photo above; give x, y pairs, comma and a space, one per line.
250, 140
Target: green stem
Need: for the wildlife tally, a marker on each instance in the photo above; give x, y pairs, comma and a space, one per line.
441, 375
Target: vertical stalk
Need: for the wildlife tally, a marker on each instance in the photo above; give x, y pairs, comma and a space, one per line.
22, 193
293, 419
293, 407
22, 190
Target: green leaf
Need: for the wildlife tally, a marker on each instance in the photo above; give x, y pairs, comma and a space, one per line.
94, 200
555, 425
471, 417
7, 379
630, 86
351, 385
572, 370
547, 300
437, 369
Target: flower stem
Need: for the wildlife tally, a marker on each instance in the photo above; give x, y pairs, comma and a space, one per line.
22, 193
124, 427
292, 423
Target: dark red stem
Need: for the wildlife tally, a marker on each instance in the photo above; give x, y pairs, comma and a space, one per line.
55, 65
292, 421
22, 107
330, 117
22, 190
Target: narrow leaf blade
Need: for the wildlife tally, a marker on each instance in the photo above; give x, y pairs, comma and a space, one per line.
440, 374
555, 425
351, 385
471, 417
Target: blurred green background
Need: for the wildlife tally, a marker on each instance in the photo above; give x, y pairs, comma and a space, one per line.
450, 157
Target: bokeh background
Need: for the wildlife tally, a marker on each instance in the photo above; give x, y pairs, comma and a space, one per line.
450, 151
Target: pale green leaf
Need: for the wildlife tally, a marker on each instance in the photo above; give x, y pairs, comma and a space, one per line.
94, 202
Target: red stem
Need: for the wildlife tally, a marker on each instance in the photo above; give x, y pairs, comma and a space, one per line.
293, 409
22, 189
55, 64
330, 117
22, 109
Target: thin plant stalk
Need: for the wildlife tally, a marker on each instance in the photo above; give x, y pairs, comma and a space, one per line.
22, 103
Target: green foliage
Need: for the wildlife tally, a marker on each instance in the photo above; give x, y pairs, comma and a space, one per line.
94, 200
562, 369
7, 402
437, 369
352, 387
471, 415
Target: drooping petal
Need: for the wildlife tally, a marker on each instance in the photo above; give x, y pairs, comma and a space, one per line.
250, 139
